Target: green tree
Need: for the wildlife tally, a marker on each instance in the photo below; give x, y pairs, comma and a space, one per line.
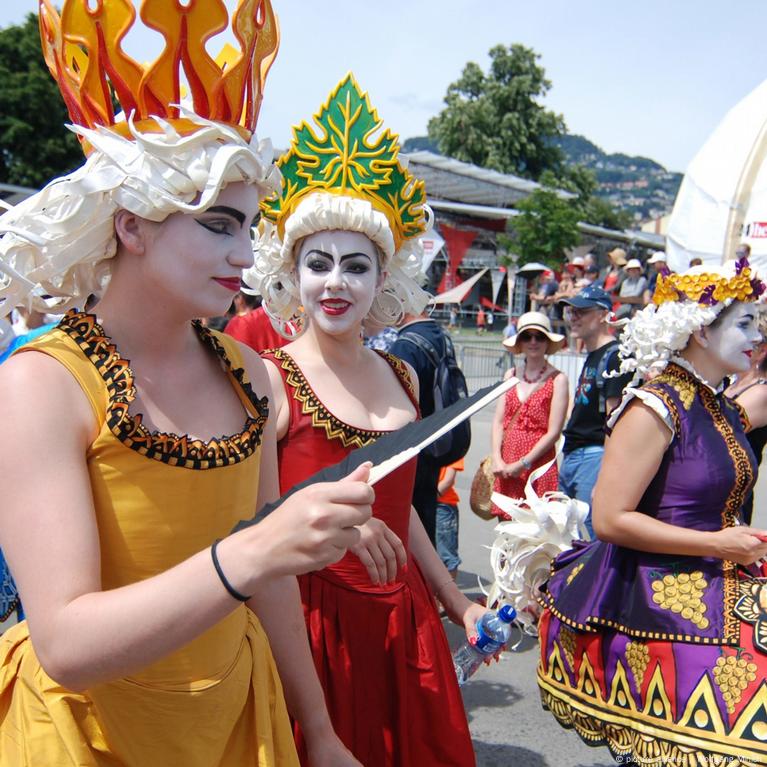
545, 227
496, 120
34, 145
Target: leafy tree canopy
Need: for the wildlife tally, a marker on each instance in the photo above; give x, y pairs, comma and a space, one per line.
545, 227
34, 144
495, 119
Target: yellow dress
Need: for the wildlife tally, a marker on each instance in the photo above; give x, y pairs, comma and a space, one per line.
159, 498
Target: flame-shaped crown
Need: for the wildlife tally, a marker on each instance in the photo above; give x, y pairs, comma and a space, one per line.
83, 51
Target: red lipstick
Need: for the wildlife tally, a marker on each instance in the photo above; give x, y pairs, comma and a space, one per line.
334, 307
230, 283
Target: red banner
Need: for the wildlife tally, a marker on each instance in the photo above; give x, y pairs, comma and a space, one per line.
457, 242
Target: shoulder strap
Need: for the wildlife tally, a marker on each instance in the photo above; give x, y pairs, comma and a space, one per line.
236, 372
402, 372
64, 349
604, 361
758, 382
423, 344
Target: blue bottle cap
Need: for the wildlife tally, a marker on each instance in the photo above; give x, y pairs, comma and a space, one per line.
507, 613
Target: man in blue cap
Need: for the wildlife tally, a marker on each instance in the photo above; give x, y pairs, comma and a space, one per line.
587, 313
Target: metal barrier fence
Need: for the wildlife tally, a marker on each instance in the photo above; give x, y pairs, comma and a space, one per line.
484, 364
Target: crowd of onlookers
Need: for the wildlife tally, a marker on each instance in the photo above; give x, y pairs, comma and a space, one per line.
628, 281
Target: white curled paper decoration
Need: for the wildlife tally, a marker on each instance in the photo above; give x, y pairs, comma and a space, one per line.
524, 547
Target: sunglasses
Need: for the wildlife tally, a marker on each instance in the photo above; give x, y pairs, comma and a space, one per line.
571, 313
531, 335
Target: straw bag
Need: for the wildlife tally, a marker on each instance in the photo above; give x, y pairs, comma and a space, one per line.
482, 489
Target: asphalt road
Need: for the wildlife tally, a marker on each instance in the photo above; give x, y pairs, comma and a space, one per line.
508, 726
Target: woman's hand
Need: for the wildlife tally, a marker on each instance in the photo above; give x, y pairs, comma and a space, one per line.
460, 609
744, 545
310, 530
497, 466
380, 551
472, 612
508, 470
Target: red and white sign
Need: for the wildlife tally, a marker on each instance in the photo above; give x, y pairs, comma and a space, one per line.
431, 246
757, 230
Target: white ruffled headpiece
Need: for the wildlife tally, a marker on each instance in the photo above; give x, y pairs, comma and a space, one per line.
655, 335
524, 547
60, 240
273, 274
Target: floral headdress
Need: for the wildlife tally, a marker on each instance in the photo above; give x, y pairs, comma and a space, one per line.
155, 158
682, 304
343, 173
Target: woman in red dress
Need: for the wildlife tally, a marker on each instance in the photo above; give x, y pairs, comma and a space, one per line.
331, 254
529, 419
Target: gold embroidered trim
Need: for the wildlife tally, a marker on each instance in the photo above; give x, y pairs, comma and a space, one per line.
744, 477
650, 736
593, 623
742, 414
322, 418
574, 572
173, 449
680, 380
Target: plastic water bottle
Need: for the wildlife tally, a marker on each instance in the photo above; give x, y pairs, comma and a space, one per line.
493, 632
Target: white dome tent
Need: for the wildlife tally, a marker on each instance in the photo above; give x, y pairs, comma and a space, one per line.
723, 198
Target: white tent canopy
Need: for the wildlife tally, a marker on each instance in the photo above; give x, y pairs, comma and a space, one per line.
459, 292
723, 198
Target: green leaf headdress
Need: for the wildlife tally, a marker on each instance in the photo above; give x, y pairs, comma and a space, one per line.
343, 172
347, 154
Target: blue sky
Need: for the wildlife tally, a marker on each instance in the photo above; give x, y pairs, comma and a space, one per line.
651, 78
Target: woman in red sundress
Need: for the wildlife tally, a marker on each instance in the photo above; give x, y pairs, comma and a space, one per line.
339, 247
529, 419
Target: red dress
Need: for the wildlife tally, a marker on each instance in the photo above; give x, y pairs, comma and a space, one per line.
530, 424
255, 330
380, 651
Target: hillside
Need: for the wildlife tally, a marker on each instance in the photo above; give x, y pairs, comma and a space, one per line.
638, 185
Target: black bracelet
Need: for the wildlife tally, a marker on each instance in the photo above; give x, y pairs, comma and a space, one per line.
228, 586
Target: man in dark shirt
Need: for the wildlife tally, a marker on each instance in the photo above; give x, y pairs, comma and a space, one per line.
595, 396
427, 473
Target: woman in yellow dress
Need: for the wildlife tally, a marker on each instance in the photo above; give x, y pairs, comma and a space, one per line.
132, 439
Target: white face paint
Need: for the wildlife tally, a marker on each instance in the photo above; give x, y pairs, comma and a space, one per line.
338, 278
731, 341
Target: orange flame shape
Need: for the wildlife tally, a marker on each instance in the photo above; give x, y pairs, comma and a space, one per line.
83, 51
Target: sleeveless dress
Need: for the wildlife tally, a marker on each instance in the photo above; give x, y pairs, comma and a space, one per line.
159, 498
524, 423
380, 650
663, 658
757, 438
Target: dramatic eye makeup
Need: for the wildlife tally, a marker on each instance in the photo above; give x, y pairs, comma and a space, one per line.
223, 225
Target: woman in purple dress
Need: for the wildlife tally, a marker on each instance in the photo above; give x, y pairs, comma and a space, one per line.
654, 638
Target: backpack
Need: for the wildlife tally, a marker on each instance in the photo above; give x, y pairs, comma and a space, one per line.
449, 386
604, 361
